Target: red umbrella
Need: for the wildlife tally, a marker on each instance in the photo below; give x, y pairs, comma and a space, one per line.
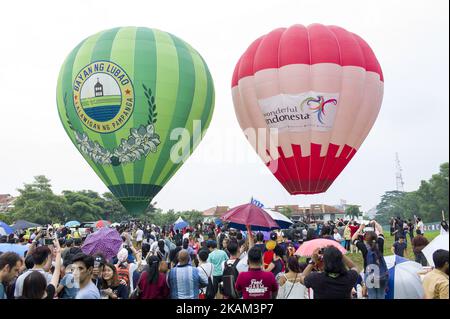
250, 216
307, 248
102, 223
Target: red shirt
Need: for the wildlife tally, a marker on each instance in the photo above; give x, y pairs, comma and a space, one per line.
353, 229
256, 284
160, 290
267, 258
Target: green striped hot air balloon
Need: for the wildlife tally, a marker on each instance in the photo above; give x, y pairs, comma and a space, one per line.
120, 95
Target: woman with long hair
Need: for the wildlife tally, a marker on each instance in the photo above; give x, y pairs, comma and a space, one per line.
112, 288
153, 284
290, 285
371, 245
337, 279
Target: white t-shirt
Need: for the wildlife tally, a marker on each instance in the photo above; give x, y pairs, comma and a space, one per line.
420, 226
139, 235
243, 262
241, 267
186, 235
337, 237
204, 271
19, 282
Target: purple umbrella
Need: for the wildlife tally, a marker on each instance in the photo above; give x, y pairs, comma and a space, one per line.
106, 241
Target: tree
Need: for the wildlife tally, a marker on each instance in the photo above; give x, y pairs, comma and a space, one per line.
38, 204
353, 211
427, 202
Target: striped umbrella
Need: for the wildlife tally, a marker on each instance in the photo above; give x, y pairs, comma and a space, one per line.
281, 220
404, 280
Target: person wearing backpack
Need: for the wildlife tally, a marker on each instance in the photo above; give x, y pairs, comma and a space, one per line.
376, 274
205, 270
231, 269
123, 268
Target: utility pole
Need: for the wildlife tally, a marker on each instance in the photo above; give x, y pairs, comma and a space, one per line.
398, 175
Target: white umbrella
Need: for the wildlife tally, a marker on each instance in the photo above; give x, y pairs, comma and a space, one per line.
280, 219
440, 242
404, 280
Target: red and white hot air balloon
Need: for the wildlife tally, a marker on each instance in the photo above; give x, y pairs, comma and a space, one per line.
321, 87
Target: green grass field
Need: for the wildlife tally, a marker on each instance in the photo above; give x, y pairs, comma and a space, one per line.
388, 242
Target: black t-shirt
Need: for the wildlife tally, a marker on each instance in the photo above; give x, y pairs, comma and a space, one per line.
278, 267
399, 248
362, 247
173, 256
261, 246
121, 291
327, 287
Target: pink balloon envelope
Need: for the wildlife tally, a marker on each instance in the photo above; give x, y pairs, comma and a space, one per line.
321, 88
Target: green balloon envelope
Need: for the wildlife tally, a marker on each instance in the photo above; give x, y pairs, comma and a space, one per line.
120, 94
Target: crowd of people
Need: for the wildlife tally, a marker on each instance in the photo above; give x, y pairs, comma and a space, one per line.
211, 262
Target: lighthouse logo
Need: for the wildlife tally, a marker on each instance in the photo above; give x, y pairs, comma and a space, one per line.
103, 96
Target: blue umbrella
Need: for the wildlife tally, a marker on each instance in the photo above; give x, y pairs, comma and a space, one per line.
180, 224
15, 248
72, 223
6, 228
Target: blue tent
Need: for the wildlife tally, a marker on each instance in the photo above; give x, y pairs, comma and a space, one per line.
180, 224
23, 224
6, 228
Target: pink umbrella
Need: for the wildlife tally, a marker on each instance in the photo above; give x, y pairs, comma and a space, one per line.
250, 216
307, 248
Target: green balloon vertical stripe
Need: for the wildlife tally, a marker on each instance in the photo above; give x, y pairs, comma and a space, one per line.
83, 58
145, 65
102, 51
122, 53
199, 98
186, 88
166, 92
66, 91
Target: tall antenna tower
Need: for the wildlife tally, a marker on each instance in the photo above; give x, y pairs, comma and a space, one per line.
398, 175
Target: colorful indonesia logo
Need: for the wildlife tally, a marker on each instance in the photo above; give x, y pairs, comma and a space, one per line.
103, 96
317, 105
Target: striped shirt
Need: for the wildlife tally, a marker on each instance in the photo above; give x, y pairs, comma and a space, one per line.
185, 282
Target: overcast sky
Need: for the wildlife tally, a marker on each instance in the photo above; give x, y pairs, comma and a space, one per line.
410, 39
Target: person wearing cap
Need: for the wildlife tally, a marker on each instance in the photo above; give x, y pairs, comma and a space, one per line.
99, 263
